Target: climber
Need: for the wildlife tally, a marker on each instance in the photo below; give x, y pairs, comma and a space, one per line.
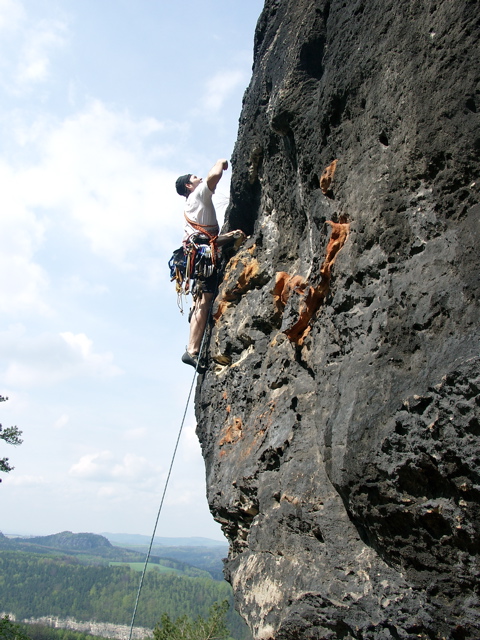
201, 230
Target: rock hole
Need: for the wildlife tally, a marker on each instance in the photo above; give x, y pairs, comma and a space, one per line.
383, 139
326, 11
311, 57
471, 106
314, 182
359, 10
318, 534
400, 428
473, 427
417, 248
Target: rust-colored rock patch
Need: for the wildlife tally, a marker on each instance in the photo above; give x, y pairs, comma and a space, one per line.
284, 285
327, 177
232, 432
311, 297
241, 271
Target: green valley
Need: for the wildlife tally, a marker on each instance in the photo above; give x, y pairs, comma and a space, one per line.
83, 576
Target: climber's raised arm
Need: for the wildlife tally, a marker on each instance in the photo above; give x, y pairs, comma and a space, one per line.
216, 173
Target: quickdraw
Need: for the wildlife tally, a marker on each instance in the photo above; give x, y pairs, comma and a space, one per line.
178, 272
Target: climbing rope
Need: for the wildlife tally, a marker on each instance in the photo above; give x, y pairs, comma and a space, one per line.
170, 469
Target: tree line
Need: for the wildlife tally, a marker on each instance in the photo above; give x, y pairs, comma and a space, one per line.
32, 586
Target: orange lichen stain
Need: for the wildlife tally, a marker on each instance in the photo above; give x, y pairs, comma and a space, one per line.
311, 297
243, 256
340, 233
263, 421
233, 290
224, 395
247, 275
327, 177
233, 432
309, 304
222, 307
284, 285
260, 424
229, 408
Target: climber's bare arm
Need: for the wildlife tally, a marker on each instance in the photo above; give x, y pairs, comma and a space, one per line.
215, 173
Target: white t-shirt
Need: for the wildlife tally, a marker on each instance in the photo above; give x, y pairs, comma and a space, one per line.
199, 208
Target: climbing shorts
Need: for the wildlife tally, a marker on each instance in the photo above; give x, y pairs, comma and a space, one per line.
209, 285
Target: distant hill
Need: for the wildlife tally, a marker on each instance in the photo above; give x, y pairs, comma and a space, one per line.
94, 549
71, 541
77, 544
137, 539
91, 548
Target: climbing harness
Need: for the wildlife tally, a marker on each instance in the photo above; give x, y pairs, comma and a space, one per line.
190, 267
193, 263
142, 578
209, 231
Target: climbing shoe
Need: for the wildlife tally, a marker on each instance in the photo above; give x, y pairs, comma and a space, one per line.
192, 360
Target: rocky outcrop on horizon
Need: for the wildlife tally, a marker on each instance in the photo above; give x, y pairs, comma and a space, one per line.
98, 629
340, 414
70, 541
78, 545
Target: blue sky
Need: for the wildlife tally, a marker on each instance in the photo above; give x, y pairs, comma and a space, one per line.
103, 104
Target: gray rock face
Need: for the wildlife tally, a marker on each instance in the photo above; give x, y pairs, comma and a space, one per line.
339, 416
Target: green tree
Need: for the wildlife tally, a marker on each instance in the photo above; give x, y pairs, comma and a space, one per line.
10, 436
185, 628
11, 631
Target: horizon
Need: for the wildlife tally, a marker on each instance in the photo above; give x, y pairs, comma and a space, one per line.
118, 534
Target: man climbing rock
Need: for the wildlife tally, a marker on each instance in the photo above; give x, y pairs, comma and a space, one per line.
201, 238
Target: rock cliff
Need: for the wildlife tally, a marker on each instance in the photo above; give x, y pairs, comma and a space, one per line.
339, 416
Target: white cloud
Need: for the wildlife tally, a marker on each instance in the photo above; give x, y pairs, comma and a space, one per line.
34, 63
132, 466
62, 421
49, 358
99, 169
186, 489
88, 361
189, 445
219, 88
109, 492
11, 14
21, 234
77, 284
91, 181
27, 46
24, 481
103, 466
93, 466
135, 434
